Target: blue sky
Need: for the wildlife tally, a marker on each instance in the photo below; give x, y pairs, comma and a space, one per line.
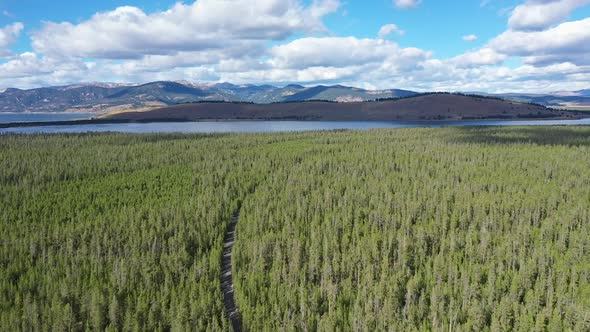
488, 45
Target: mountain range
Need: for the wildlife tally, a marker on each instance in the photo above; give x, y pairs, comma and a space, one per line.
107, 97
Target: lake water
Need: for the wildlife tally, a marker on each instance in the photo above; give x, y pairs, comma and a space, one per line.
246, 126
40, 117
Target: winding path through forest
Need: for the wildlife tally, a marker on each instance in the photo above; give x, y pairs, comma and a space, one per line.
227, 284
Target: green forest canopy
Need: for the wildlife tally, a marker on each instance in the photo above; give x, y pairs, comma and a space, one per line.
472, 229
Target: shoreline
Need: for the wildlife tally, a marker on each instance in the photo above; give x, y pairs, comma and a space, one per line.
102, 121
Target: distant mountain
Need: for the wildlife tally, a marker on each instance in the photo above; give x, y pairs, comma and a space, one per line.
106, 97
102, 97
164, 92
95, 84
553, 100
53, 99
345, 94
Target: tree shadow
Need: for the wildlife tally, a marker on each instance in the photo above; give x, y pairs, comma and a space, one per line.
545, 135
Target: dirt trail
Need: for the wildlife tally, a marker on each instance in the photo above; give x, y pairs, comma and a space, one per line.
227, 284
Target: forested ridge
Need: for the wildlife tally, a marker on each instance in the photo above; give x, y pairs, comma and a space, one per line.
463, 229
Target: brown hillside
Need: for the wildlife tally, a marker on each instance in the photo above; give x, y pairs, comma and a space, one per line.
420, 108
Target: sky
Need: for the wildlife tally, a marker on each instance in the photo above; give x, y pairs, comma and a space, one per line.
424, 45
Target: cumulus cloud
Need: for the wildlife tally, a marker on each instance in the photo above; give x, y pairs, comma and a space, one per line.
563, 41
321, 8
185, 59
326, 60
391, 66
441, 75
8, 36
482, 57
341, 52
212, 40
339, 60
388, 29
541, 14
470, 38
404, 4
29, 67
547, 60
22, 65
128, 32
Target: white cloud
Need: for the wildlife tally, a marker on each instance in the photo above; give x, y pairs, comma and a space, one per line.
22, 65
482, 57
213, 40
547, 60
340, 52
441, 75
388, 29
406, 3
391, 66
367, 62
128, 32
185, 59
28, 69
8, 36
321, 8
541, 14
566, 40
470, 38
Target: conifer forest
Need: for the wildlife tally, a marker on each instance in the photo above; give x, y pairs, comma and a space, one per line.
448, 229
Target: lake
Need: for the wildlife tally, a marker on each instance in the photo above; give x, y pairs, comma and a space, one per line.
245, 126
39, 117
